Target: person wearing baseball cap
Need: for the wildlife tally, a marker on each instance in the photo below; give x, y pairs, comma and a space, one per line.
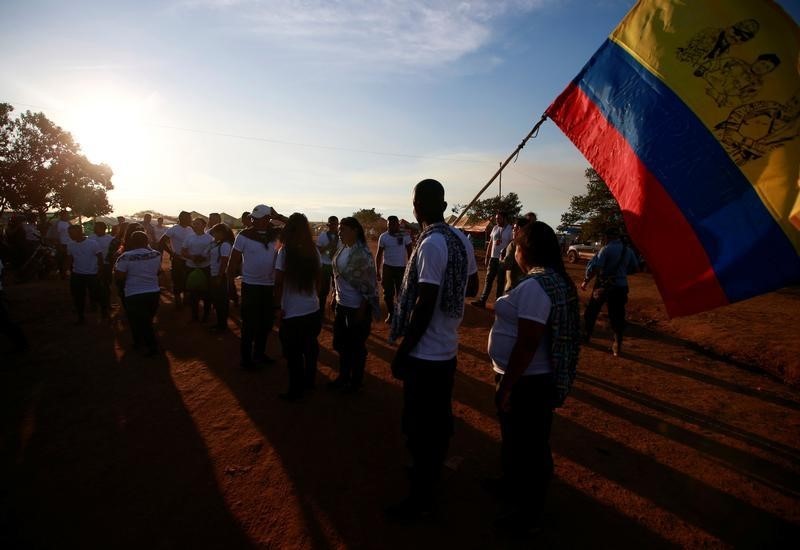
254, 251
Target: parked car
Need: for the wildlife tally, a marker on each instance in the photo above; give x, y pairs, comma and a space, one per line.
582, 251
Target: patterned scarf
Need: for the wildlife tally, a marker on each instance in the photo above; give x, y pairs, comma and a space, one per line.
360, 274
564, 327
453, 286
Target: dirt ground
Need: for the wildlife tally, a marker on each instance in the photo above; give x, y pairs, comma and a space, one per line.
683, 441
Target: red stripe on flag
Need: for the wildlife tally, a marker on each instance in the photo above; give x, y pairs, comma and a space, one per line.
680, 265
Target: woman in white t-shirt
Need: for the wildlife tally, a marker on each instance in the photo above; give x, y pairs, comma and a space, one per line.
297, 280
196, 251
220, 252
356, 304
137, 270
534, 346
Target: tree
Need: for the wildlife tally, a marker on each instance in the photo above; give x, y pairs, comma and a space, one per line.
367, 217
595, 211
42, 167
486, 208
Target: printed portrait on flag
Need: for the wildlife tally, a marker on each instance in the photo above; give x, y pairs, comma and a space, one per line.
689, 112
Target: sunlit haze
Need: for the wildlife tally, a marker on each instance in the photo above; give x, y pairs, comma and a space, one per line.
318, 107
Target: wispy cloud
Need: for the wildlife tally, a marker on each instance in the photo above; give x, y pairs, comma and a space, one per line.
411, 34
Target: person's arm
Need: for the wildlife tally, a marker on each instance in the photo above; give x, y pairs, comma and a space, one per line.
378, 263
234, 262
592, 268
421, 317
164, 244
223, 264
280, 217
120, 271
529, 335
99, 261
409, 248
70, 259
278, 295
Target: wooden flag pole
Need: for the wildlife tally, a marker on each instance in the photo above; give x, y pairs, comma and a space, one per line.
530, 135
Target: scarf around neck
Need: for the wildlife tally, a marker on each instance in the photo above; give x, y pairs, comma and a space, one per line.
359, 272
453, 285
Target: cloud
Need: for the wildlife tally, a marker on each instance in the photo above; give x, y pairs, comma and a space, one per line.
414, 33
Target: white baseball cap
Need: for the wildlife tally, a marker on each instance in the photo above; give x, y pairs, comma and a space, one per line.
260, 211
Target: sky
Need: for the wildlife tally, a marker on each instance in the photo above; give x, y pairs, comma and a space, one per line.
315, 106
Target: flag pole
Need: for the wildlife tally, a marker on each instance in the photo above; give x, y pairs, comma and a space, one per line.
530, 135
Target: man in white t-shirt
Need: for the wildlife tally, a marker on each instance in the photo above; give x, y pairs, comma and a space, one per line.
254, 250
327, 243
62, 240
441, 273
158, 231
103, 240
394, 246
172, 242
499, 239
85, 260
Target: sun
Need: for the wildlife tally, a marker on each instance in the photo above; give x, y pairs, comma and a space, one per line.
111, 128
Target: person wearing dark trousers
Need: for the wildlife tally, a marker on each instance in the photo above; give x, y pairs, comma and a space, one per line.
440, 274
327, 244
534, 346
499, 239
196, 252
356, 304
137, 270
172, 241
8, 326
84, 261
220, 253
254, 251
297, 274
394, 246
611, 267
104, 241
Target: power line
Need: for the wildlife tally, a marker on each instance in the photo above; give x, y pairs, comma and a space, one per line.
283, 142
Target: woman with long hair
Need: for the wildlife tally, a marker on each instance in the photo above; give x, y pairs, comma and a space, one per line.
534, 345
356, 304
297, 280
220, 252
137, 271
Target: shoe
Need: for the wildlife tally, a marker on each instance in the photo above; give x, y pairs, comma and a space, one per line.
409, 510
616, 348
478, 303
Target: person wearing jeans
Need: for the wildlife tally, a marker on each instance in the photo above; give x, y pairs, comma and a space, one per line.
499, 239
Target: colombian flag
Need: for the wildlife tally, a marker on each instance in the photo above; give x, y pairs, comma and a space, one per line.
690, 112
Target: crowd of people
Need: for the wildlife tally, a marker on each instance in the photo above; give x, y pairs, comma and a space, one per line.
287, 276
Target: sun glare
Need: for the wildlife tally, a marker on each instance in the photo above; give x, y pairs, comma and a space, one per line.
110, 129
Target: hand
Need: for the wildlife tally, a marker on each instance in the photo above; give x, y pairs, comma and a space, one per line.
502, 399
378, 276
584, 284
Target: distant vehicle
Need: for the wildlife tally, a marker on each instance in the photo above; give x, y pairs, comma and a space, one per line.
582, 251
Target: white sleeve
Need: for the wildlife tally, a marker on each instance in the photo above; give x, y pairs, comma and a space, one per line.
225, 250
532, 301
432, 260
122, 264
239, 243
